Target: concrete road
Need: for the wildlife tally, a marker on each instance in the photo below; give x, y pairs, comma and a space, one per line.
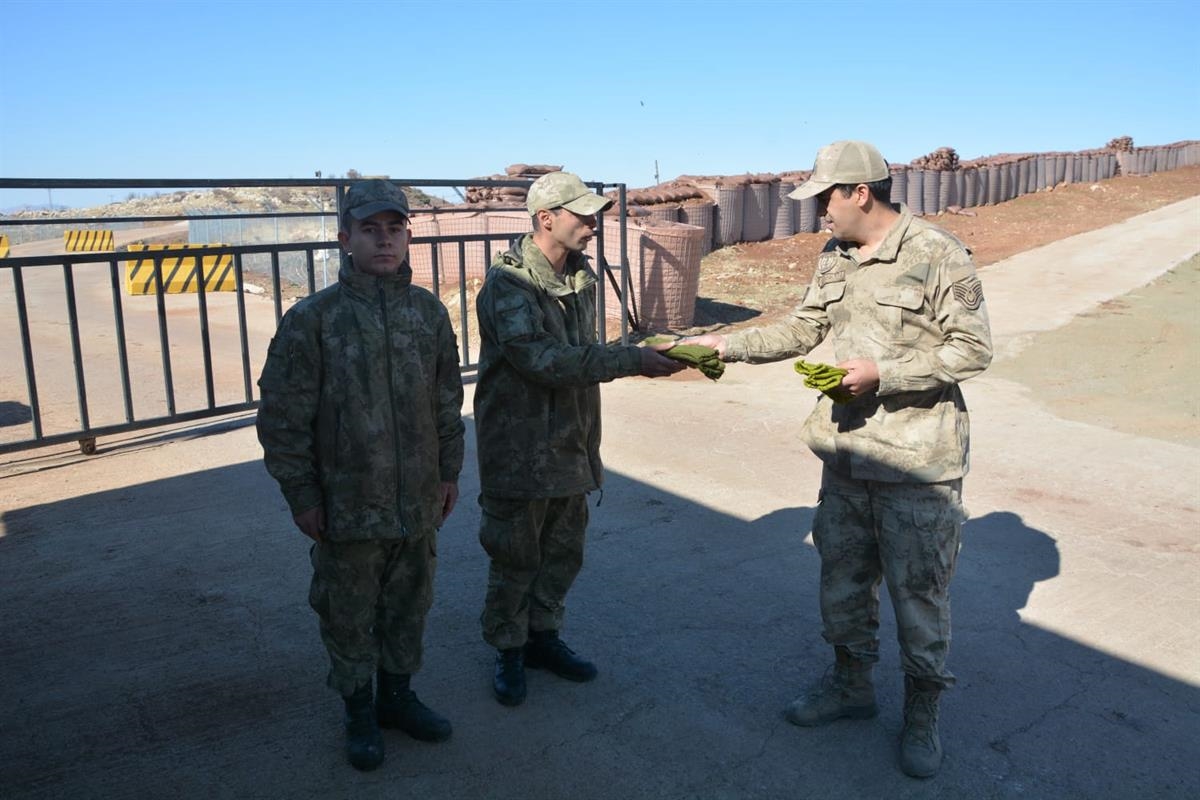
156, 642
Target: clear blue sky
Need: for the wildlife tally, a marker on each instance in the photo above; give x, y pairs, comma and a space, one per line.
447, 89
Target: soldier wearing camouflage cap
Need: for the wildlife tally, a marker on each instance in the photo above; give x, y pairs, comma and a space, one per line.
900, 299
361, 425
537, 423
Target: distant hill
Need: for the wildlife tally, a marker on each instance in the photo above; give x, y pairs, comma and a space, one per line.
254, 200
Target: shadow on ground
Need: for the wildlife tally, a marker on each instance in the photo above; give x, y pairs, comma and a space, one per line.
716, 312
157, 642
14, 413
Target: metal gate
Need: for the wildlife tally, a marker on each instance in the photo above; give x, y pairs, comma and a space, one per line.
111, 342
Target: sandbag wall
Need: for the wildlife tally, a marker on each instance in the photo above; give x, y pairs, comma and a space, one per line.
671, 202
488, 210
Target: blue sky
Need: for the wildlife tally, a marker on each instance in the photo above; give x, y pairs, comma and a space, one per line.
460, 89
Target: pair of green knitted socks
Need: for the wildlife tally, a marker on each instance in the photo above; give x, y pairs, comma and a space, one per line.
825, 378
702, 358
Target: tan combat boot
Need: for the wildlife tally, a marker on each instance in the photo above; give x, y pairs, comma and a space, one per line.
847, 693
920, 746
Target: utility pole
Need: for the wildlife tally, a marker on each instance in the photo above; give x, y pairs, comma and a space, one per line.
656, 172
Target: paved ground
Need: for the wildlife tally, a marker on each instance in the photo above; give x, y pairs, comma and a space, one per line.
155, 639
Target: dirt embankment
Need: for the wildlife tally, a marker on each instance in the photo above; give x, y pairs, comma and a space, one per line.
756, 281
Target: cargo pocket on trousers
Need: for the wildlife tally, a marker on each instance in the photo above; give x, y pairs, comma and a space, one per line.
939, 530
506, 532
318, 590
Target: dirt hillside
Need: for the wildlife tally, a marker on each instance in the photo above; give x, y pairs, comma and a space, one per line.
756, 281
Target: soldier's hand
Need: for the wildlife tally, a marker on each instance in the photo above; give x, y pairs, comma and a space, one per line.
655, 364
449, 492
311, 523
862, 376
713, 340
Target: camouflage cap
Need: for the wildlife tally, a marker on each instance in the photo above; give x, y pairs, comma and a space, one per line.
367, 198
847, 162
564, 190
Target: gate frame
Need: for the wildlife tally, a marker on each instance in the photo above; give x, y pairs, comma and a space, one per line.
87, 435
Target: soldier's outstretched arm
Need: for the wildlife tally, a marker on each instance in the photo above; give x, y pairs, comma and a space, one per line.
655, 364
712, 340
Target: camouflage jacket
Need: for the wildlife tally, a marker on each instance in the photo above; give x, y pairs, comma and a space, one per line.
915, 307
361, 406
537, 403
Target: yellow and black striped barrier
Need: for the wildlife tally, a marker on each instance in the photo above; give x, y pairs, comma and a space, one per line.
3, 245
179, 272
87, 241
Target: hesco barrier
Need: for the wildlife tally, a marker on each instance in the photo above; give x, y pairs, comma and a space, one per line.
756, 212
663, 277
462, 260
699, 212
782, 224
749, 208
178, 274
87, 241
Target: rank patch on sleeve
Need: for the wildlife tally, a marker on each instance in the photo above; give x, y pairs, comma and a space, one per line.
969, 292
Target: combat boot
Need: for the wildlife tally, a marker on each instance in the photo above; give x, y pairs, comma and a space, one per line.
846, 692
508, 682
920, 746
364, 743
545, 650
398, 707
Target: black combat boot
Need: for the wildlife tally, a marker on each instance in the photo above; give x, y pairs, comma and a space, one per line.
508, 684
545, 650
847, 693
398, 707
364, 743
920, 746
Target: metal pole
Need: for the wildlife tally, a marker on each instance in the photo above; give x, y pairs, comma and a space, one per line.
324, 251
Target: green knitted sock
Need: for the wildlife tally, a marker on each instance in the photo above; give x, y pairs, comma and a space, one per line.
825, 378
702, 358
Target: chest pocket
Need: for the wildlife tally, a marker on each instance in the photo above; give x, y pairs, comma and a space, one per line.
413, 346
827, 292
899, 311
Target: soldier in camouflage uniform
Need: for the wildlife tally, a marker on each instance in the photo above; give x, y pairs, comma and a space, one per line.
361, 426
905, 309
537, 422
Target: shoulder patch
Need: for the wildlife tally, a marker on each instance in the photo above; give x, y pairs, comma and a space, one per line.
826, 262
969, 292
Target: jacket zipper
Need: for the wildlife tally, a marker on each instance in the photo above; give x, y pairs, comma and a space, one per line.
387, 360
587, 335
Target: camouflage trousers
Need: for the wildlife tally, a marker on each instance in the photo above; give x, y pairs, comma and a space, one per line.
536, 549
372, 597
906, 534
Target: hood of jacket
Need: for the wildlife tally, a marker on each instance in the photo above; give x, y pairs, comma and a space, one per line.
526, 261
